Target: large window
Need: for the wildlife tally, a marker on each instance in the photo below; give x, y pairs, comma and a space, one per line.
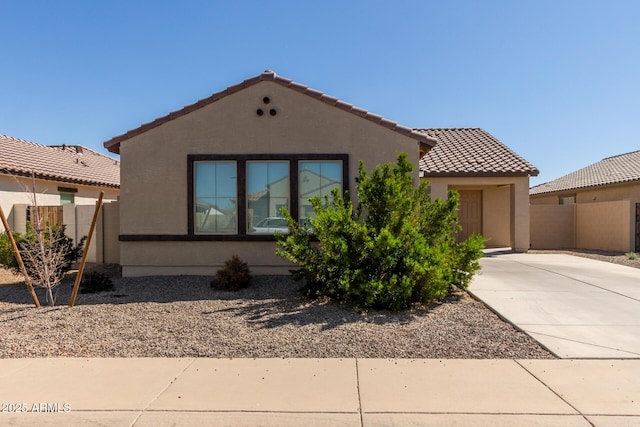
215, 209
317, 179
242, 197
268, 192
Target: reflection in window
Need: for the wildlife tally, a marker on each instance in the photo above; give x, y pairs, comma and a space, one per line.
317, 179
267, 193
67, 198
215, 187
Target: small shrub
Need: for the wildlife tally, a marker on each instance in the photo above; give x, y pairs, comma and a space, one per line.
233, 276
7, 259
95, 282
632, 255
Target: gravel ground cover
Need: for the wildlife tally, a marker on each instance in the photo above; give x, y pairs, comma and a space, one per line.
183, 317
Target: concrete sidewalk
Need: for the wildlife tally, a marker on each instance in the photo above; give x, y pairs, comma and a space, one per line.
319, 392
575, 307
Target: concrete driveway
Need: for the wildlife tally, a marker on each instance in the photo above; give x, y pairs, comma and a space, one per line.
576, 307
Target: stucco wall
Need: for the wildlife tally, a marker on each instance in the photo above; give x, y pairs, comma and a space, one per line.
553, 226
154, 178
544, 200
604, 226
604, 194
607, 226
496, 215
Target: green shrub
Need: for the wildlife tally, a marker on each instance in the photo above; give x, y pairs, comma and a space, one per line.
632, 255
95, 282
7, 259
55, 234
234, 276
396, 248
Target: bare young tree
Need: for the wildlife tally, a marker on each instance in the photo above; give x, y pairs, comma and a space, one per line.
45, 255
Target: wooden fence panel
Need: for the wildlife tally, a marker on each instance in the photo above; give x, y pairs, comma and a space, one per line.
51, 215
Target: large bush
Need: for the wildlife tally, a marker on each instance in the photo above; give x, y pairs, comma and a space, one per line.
396, 248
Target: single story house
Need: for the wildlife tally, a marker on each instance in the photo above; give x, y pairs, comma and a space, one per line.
68, 181
206, 182
596, 207
64, 174
493, 182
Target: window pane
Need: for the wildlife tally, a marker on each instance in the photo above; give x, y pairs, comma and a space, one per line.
66, 198
216, 187
317, 179
267, 193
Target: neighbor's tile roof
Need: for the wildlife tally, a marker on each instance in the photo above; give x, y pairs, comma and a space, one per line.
612, 170
471, 152
65, 163
113, 144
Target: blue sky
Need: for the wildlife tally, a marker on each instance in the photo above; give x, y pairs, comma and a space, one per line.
558, 81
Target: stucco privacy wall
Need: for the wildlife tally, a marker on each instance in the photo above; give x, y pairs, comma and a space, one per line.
553, 226
505, 206
104, 247
605, 226
154, 181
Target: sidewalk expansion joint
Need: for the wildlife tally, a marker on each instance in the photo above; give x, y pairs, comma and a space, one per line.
164, 389
358, 391
552, 391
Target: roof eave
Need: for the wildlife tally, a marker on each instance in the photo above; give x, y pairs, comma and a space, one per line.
467, 174
48, 177
584, 187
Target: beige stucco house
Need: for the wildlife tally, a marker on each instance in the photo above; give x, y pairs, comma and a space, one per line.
201, 184
493, 182
596, 207
63, 175
68, 182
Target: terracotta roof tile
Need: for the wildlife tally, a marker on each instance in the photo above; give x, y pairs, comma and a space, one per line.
611, 170
65, 163
113, 144
471, 152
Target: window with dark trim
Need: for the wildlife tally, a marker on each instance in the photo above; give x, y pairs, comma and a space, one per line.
240, 197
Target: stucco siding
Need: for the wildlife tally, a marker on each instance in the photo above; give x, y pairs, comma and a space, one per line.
553, 226
154, 169
496, 216
606, 226
175, 258
154, 164
544, 200
605, 194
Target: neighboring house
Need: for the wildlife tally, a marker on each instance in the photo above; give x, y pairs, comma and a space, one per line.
596, 207
197, 182
493, 182
64, 174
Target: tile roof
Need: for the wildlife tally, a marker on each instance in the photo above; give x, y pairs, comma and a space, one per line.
64, 163
471, 152
612, 170
113, 144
